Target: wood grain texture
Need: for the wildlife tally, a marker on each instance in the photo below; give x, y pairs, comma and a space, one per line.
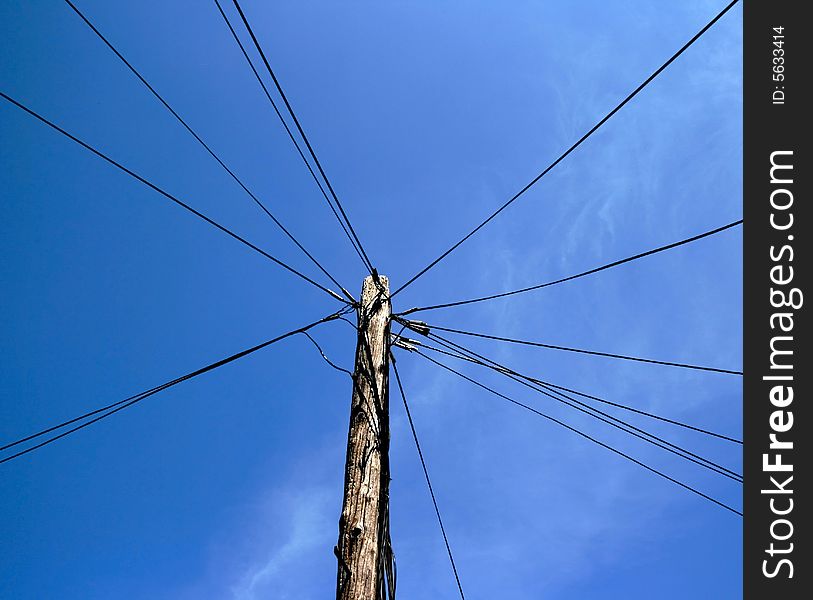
364, 523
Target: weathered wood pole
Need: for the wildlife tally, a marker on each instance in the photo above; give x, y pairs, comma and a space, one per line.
363, 551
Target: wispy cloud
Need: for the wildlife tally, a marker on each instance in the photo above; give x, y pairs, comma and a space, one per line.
309, 517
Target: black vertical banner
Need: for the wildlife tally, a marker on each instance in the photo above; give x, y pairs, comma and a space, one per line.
776, 553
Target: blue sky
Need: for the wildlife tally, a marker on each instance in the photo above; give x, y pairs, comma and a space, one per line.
426, 116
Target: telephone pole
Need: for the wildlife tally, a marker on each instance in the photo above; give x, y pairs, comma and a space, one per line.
364, 552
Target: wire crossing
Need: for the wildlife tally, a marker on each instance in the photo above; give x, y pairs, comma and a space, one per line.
597, 414
616, 263
428, 481
115, 407
301, 131
288, 131
169, 196
206, 147
575, 145
581, 351
582, 434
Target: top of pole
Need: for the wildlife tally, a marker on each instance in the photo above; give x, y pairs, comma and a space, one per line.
375, 288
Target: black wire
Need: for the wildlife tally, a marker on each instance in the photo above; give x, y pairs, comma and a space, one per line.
643, 413
349, 322
324, 356
428, 481
444, 341
600, 415
457, 347
288, 130
302, 133
573, 147
586, 409
362, 341
365, 344
397, 336
171, 197
127, 402
82, 417
580, 351
206, 147
582, 434
374, 404
582, 274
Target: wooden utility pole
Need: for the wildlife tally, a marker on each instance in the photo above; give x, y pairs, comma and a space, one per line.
364, 552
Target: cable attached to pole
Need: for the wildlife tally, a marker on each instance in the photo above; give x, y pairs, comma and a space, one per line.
426, 476
169, 196
324, 356
584, 435
423, 329
301, 131
578, 275
590, 352
206, 147
575, 145
288, 131
115, 407
600, 415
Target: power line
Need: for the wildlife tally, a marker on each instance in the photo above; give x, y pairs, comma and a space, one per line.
419, 328
595, 127
302, 133
115, 407
428, 482
206, 147
324, 356
84, 416
582, 434
580, 351
288, 131
464, 353
601, 400
170, 197
644, 413
578, 275
598, 414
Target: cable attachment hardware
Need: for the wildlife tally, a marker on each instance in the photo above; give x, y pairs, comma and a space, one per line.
405, 343
337, 296
416, 326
